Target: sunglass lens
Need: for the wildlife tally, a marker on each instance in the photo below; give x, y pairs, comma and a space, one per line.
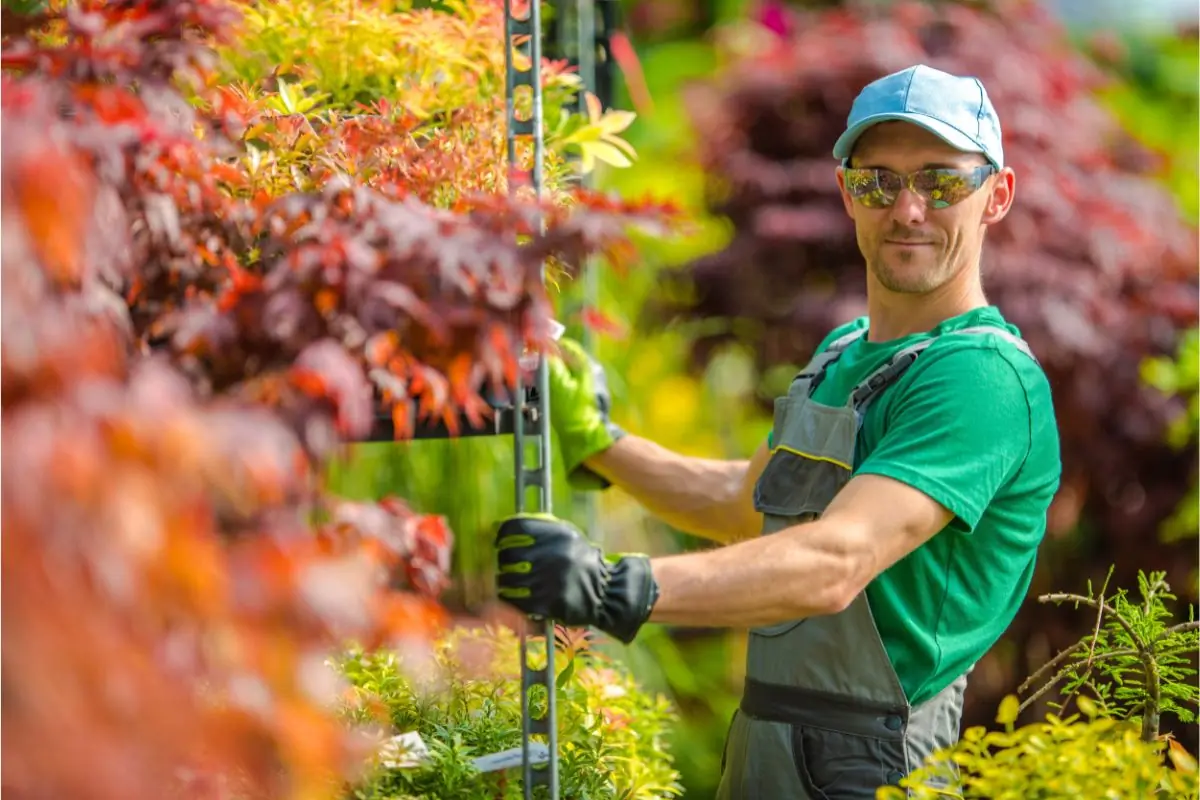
945, 187
874, 188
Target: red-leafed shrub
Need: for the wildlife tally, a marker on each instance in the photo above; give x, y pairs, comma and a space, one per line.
180, 356
1094, 264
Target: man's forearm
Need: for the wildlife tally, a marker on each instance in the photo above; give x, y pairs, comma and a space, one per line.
704, 497
806, 571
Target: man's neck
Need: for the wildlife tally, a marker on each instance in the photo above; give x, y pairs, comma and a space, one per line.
893, 315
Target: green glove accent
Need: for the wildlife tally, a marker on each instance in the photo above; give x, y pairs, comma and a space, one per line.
548, 569
579, 404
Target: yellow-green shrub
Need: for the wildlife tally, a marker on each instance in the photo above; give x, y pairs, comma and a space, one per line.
1083, 756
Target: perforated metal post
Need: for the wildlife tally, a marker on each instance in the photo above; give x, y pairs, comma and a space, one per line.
522, 34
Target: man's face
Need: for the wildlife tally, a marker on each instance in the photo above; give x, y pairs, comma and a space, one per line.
912, 247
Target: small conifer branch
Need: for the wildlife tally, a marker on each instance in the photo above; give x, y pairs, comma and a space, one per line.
1099, 605
1150, 708
1050, 684
1182, 627
1099, 619
1066, 671
1150, 711
1049, 665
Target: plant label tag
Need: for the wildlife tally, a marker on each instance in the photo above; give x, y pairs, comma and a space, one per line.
506, 759
404, 751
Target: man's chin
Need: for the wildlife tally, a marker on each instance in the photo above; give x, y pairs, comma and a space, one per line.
908, 279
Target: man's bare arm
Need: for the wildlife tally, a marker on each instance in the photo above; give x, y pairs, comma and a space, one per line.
704, 497
808, 570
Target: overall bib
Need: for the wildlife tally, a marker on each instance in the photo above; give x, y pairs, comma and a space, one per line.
823, 715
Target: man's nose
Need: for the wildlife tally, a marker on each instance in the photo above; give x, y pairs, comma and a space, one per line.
909, 208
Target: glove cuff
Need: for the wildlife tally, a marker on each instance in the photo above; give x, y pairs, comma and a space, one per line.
578, 448
629, 596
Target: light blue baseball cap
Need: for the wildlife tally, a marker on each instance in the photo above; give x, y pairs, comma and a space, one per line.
955, 108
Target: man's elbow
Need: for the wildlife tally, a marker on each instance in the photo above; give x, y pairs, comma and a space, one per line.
848, 571
839, 592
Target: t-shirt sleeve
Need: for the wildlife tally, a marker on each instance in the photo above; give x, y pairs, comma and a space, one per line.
958, 433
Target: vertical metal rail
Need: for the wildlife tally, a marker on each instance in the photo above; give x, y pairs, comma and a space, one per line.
522, 33
578, 43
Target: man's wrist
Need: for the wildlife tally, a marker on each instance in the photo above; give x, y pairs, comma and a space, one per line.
630, 595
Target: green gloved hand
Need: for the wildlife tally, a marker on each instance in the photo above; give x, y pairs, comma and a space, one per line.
548, 569
579, 405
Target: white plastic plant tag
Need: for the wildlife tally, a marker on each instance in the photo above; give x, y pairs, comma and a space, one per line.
506, 759
404, 751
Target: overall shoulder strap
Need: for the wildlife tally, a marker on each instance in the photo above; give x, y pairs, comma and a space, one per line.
870, 387
882, 377
814, 372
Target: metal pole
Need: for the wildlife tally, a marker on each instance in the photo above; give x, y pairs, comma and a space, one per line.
585, 55
536, 476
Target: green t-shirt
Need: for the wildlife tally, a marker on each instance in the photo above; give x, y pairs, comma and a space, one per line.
971, 424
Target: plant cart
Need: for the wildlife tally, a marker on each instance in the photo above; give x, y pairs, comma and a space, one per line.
580, 31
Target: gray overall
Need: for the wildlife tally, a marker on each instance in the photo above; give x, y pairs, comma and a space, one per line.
823, 715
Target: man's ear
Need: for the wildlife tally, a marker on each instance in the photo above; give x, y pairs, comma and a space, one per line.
847, 201
1000, 200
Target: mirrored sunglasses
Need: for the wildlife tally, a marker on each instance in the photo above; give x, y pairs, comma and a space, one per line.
940, 188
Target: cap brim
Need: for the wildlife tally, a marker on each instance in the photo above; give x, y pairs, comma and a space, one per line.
949, 134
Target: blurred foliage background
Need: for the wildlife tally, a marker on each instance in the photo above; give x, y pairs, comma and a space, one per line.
713, 408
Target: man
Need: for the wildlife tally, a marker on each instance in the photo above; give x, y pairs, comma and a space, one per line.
904, 486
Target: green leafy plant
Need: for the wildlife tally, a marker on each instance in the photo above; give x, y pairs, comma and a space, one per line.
467, 704
1135, 663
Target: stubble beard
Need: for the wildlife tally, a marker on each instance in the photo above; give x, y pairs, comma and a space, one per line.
903, 277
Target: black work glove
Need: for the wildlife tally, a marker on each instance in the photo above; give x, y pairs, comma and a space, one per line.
548, 569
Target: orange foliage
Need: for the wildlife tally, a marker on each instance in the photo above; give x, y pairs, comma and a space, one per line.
181, 350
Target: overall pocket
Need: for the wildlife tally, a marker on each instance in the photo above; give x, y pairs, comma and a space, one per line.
844, 766
797, 485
